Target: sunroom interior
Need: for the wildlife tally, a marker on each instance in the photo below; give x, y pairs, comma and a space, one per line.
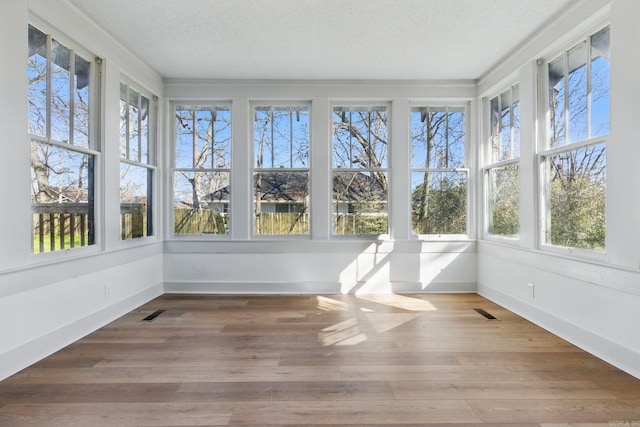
320, 148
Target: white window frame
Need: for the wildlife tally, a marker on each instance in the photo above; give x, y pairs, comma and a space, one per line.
492, 164
355, 104
173, 104
94, 139
254, 169
151, 163
439, 106
545, 151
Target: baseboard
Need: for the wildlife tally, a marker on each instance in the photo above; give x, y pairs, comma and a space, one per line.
21, 357
309, 288
607, 350
244, 288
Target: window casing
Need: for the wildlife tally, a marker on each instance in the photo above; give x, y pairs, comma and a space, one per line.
573, 157
502, 175
281, 170
360, 171
137, 164
202, 169
64, 148
439, 177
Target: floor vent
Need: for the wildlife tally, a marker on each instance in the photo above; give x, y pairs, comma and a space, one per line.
153, 315
486, 314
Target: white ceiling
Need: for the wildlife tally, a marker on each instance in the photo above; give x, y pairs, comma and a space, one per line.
321, 39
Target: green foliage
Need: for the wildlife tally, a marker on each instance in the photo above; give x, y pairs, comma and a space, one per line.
577, 213
504, 201
445, 211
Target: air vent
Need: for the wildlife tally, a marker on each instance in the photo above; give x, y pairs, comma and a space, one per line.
153, 315
487, 315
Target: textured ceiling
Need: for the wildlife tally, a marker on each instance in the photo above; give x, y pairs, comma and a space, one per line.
321, 39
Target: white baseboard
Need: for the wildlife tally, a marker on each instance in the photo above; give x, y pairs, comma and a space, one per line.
601, 347
25, 355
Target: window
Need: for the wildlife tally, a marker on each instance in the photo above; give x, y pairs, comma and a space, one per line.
202, 167
281, 169
136, 165
438, 174
502, 176
64, 149
360, 170
574, 157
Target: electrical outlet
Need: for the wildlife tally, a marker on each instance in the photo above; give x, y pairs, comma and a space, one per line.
531, 290
107, 291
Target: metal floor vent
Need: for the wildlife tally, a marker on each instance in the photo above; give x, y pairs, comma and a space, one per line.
486, 314
153, 315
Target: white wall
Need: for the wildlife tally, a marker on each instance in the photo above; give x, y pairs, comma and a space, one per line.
48, 301
594, 302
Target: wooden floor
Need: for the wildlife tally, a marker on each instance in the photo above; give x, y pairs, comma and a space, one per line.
320, 360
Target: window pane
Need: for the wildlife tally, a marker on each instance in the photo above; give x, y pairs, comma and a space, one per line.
281, 202
62, 198
557, 102
81, 102
203, 135
360, 203
577, 109
135, 198
281, 137
201, 202
439, 202
576, 198
504, 200
600, 71
494, 107
124, 121
37, 74
60, 92
437, 138
360, 137
144, 129
134, 153
515, 123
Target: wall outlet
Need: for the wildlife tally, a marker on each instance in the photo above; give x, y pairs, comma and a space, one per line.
531, 290
107, 291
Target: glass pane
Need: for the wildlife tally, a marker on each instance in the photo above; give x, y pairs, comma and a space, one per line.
360, 203
201, 203
504, 200
360, 137
505, 126
134, 123
203, 135
438, 140
494, 108
556, 103
439, 202
81, 102
144, 129
600, 78
62, 198
515, 124
577, 62
60, 92
577, 198
37, 74
124, 121
281, 202
135, 197
281, 137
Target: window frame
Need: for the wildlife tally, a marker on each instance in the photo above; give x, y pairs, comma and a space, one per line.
438, 106
492, 164
545, 149
150, 165
173, 168
94, 140
253, 169
355, 105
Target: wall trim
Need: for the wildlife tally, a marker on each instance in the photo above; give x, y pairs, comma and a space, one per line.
599, 346
25, 355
